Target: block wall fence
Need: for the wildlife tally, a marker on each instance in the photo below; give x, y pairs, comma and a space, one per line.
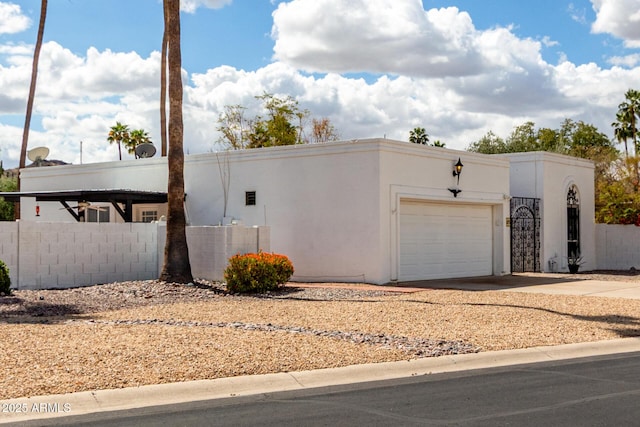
44, 255
617, 247
61, 255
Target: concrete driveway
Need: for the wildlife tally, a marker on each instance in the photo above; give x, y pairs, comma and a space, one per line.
602, 285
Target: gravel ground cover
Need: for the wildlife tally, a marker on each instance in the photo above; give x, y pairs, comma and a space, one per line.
149, 332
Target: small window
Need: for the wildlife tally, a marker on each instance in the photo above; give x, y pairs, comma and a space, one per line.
97, 214
250, 198
149, 216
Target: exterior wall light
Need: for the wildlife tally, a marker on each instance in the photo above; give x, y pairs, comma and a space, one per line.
457, 170
455, 191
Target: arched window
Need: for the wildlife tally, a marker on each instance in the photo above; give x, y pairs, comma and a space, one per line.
573, 222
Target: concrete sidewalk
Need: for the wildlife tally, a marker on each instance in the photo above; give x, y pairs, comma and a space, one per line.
45, 407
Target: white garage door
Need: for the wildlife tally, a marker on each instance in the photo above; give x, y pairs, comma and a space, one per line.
441, 241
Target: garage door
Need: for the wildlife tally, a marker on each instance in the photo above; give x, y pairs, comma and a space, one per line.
441, 241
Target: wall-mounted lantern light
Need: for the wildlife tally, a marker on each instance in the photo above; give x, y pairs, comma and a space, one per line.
455, 191
37, 210
457, 170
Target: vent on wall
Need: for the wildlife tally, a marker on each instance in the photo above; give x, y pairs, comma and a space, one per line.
250, 198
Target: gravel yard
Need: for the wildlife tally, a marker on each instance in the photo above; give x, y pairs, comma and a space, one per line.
136, 333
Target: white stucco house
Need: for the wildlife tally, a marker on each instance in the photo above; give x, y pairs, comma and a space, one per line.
373, 210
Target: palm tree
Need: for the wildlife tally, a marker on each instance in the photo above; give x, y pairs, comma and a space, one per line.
136, 137
120, 134
177, 268
163, 95
625, 126
32, 92
621, 131
419, 136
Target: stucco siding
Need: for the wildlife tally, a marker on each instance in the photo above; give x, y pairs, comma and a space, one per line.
618, 247
548, 176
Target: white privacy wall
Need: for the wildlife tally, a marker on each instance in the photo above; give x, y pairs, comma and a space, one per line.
9, 248
211, 247
43, 255
61, 255
618, 247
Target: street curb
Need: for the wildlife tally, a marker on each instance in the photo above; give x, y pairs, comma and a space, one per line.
43, 407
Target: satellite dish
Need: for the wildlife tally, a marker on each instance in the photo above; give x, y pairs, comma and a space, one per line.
37, 154
144, 150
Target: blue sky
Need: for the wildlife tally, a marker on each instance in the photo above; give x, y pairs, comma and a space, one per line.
376, 68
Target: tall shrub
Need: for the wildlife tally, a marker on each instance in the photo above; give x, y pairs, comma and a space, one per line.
259, 272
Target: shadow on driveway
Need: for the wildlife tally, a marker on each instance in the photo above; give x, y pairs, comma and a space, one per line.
490, 283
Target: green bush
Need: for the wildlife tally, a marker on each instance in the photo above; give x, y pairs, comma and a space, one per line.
5, 280
258, 273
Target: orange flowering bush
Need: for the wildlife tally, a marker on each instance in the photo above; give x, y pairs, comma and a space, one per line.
259, 272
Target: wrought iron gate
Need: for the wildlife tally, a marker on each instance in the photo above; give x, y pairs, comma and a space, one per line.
525, 234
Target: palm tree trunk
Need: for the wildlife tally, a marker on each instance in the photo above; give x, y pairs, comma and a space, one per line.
163, 96
32, 92
634, 137
177, 268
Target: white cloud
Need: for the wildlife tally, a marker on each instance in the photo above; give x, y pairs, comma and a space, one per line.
190, 6
383, 36
493, 69
578, 15
78, 99
620, 18
11, 19
625, 61
435, 70
548, 42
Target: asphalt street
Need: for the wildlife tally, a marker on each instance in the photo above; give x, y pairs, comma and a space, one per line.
593, 391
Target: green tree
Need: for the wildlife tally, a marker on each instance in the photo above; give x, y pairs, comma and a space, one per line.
7, 184
283, 124
523, 138
278, 125
621, 131
617, 202
627, 118
626, 127
578, 139
177, 268
549, 140
137, 137
490, 143
119, 133
30, 99
419, 135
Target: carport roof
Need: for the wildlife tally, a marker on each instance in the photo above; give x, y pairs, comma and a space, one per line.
128, 198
